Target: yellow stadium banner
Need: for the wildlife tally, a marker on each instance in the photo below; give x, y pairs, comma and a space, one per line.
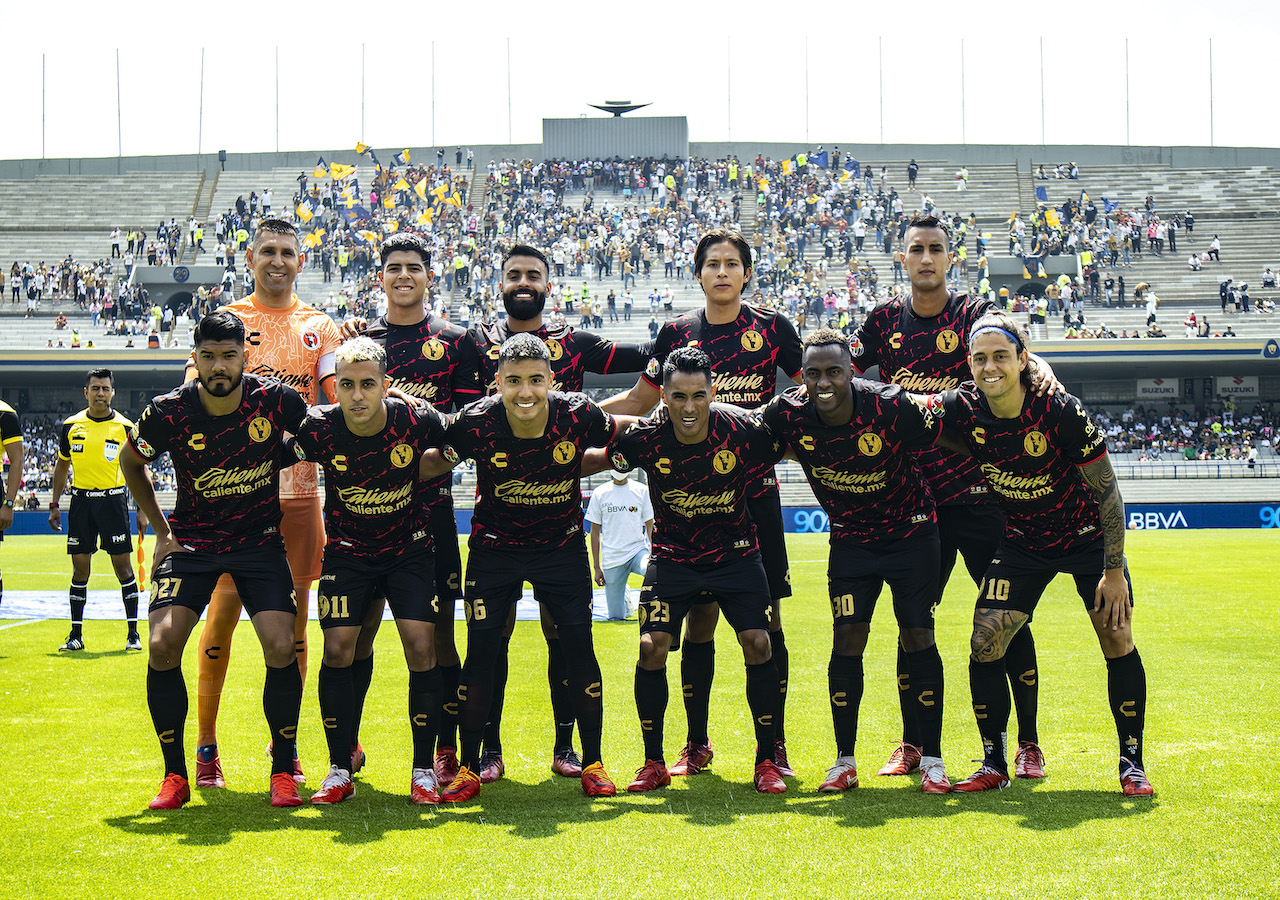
786, 167
1051, 216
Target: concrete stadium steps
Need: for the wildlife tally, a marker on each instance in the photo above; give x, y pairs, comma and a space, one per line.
97, 202
1247, 192
52, 247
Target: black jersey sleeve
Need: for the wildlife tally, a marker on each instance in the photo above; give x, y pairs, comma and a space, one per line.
1077, 435
605, 357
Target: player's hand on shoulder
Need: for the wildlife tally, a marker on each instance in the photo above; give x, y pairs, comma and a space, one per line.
396, 393
353, 327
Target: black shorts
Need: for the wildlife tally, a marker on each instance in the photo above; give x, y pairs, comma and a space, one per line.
856, 574
561, 580
99, 518
972, 531
444, 537
1017, 577
671, 589
348, 586
766, 513
261, 575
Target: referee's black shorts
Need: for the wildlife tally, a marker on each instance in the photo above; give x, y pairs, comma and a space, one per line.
99, 518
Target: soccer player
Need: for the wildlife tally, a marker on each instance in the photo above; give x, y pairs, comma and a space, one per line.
92, 440
920, 342
1048, 467
854, 438
224, 433
378, 545
294, 344
746, 346
527, 443
11, 443
431, 359
702, 463
572, 354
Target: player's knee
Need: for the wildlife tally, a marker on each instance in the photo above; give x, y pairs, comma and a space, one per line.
756, 648
654, 648
700, 625
850, 639
278, 648
916, 639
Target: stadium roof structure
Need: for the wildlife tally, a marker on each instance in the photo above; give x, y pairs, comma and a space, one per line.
618, 107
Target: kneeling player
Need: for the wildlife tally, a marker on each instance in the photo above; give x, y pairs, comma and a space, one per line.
1047, 464
701, 462
379, 544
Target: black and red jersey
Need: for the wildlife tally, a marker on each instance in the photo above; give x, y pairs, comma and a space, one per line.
573, 354
371, 505
699, 491
227, 466
1032, 464
862, 472
927, 356
527, 492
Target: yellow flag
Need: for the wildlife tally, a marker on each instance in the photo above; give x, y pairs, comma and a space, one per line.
421, 188
338, 171
786, 167
425, 218
400, 185
456, 200
361, 148
389, 200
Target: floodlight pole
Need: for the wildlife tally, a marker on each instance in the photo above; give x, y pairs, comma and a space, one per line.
1127, 141
1210, 92
119, 138
1042, 141
880, 42
200, 121
962, 135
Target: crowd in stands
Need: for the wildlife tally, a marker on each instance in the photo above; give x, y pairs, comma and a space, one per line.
1221, 432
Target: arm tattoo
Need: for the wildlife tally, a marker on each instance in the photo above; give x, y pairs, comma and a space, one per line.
993, 629
1102, 478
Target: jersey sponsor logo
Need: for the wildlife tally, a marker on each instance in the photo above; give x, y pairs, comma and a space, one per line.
619, 462
947, 340
1018, 487
433, 350
259, 429
870, 444
365, 501
923, 384
401, 455
310, 340
556, 348
77, 447
517, 490
339, 462
220, 482
196, 441
420, 390
564, 452
450, 455
1035, 443
299, 382
690, 504
738, 383
850, 482
752, 340
724, 462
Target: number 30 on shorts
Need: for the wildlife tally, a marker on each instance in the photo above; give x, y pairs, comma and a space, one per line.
842, 606
994, 589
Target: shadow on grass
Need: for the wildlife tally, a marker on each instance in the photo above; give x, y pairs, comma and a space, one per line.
86, 654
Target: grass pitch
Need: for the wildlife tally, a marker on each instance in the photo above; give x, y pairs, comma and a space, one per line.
83, 762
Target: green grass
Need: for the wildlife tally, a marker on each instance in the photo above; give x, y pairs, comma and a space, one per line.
83, 761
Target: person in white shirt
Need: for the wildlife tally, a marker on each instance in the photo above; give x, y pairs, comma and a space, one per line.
621, 511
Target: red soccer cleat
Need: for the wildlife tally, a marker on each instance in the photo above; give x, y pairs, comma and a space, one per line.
446, 764
1133, 781
336, 787
284, 790
298, 776
987, 778
693, 759
424, 789
209, 767
1028, 762
463, 787
652, 775
491, 767
357, 758
174, 791
596, 781
567, 763
933, 778
769, 779
842, 776
780, 759
904, 760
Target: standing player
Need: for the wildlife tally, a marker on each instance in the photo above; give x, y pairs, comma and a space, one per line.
527, 443
701, 464
853, 439
746, 346
293, 343
11, 444
224, 433
379, 545
1048, 466
92, 440
572, 354
920, 343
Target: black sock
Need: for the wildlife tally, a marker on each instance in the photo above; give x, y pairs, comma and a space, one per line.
447, 723
991, 708
697, 671
561, 696
79, 596
1127, 691
1024, 681
762, 698
337, 704
475, 692
651, 705
129, 594
167, 700
424, 711
781, 658
844, 681
493, 723
926, 692
910, 727
281, 701
361, 677
585, 688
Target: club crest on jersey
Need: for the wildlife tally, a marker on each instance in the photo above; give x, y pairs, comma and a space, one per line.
450, 455
870, 444
401, 455
619, 462
310, 340
752, 340
433, 349
259, 429
564, 452
556, 349
724, 462
1035, 444
948, 340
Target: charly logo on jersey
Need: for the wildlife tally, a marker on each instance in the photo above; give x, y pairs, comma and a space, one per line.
979, 435
339, 462
663, 465
807, 442
433, 350
870, 444
450, 455
557, 350
752, 340
564, 452
895, 340
401, 455
259, 429
310, 340
724, 462
947, 340
196, 441
1035, 443
493, 352
498, 460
